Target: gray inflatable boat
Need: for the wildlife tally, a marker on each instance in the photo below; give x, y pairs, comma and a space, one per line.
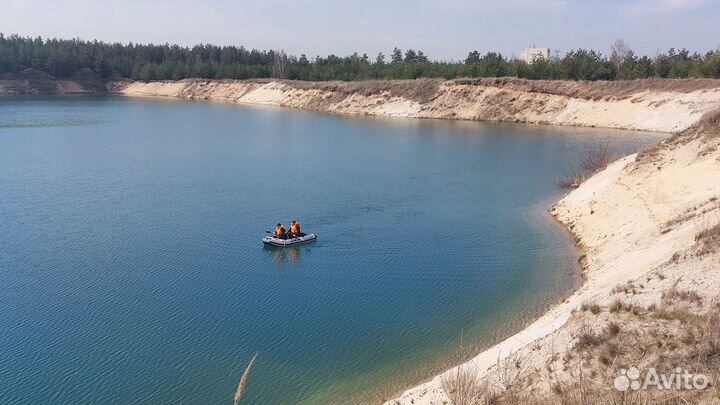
273, 241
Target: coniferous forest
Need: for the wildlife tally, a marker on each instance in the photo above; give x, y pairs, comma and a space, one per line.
64, 58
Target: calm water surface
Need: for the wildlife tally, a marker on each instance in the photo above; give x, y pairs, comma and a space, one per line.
132, 272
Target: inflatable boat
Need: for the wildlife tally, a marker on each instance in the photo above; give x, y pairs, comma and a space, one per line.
273, 241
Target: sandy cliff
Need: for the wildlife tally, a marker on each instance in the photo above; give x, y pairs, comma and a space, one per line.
652, 105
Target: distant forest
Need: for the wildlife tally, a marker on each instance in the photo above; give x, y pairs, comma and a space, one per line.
65, 58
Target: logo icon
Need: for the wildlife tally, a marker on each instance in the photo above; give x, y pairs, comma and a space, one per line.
627, 379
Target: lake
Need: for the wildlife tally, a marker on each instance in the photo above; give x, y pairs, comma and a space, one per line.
132, 269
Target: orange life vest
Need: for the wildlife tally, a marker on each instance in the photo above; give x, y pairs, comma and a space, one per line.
295, 228
280, 231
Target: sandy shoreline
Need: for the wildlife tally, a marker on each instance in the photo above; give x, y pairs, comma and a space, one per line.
431, 392
645, 105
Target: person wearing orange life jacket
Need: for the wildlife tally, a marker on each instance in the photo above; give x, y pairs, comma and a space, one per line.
295, 229
280, 231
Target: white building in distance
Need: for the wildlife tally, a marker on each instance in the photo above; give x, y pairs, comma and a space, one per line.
531, 54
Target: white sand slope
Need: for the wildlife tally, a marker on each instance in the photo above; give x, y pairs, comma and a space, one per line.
662, 110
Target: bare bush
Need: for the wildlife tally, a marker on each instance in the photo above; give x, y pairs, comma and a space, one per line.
587, 338
593, 161
463, 385
593, 307
708, 240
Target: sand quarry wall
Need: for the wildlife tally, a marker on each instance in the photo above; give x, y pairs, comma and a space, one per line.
648, 105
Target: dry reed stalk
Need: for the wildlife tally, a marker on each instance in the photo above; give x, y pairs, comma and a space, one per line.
243, 381
592, 162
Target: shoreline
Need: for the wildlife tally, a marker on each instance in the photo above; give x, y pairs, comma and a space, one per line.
551, 320
649, 105
654, 105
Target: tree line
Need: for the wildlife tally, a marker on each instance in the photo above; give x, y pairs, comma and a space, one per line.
64, 58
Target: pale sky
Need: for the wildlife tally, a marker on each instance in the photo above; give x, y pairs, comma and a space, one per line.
443, 29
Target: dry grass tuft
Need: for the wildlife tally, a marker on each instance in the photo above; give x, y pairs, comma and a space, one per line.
612, 328
673, 293
627, 288
710, 124
593, 307
708, 350
708, 240
618, 305
590, 163
691, 213
587, 338
463, 385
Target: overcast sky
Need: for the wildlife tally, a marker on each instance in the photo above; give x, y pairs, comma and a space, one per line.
443, 29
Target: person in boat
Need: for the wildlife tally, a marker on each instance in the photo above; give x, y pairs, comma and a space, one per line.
295, 230
280, 231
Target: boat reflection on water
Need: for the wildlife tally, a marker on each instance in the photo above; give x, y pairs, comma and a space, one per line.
283, 255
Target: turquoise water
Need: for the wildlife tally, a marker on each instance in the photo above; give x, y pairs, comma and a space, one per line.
132, 270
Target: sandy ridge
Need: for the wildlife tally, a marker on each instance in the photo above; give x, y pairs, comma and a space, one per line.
663, 110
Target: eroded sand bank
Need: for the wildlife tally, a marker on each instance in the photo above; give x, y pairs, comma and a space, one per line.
649, 105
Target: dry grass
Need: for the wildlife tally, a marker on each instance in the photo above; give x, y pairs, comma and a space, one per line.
588, 90
593, 307
587, 338
420, 90
708, 240
687, 340
710, 124
612, 328
673, 293
708, 128
691, 213
464, 386
672, 337
597, 90
619, 305
508, 382
423, 90
593, 161
708, 344
627, 288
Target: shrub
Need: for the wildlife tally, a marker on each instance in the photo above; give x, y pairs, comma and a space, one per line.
593, 161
